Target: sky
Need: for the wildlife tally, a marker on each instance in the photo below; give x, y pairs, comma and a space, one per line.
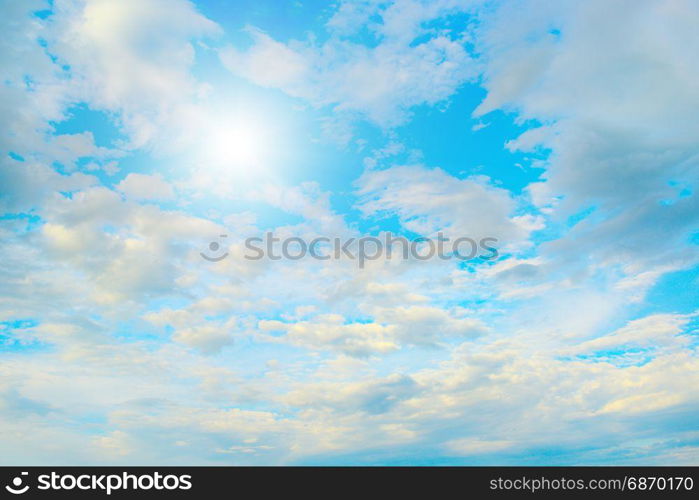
137, 133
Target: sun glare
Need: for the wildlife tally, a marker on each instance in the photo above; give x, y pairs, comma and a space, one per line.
236, 146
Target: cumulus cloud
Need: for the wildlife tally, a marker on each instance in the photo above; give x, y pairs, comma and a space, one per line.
622, 147
192, 329
32, 91
409, 65
146, 187
27, 185
390, 329
430, 200
649, 333
633, 128
133, 58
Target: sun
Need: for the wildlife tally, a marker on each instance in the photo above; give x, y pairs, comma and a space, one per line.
236, 146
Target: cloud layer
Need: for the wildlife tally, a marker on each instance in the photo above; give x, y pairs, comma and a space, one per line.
120, 344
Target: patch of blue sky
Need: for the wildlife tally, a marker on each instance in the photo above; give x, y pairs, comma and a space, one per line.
454, 26
15, 156
580, 216
557, 229
137, 330
18, 324
462, 151
676, 292
106, 132
15, 336
692, 333
22, 223
427, 455
81, 118
45, 13
623, 357
682, 190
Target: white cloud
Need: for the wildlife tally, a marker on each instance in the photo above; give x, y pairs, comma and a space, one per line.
146, 187
391, 329
612, 137
431, 200
475, 446
27, 185
611, 88
380, 83
191, 327
330, 332
133, 57
651, 332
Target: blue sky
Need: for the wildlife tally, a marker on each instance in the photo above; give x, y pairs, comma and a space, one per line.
137, 132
